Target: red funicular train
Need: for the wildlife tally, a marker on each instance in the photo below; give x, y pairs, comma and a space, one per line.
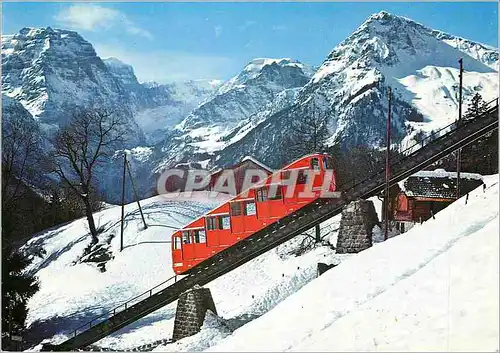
250, 211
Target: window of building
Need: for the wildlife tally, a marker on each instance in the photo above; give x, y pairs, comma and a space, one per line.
261, 194
186, 237
315, 163
235, 208
177, 243
277, 195
250, 208
200, 236
211, 223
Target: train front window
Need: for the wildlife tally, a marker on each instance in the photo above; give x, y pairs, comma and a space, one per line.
177, 243
200, 236
315, 164
325, 163
186, 237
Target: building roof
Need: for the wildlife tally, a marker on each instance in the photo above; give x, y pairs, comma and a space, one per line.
440, 184
260, 164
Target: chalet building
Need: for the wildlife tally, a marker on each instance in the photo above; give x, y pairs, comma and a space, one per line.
239, 170
175, 183
425, 193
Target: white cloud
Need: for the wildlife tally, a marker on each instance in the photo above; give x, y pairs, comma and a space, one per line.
89, 17
165, 66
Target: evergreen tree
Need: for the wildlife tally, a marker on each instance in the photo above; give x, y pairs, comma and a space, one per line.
17, 288
476, 107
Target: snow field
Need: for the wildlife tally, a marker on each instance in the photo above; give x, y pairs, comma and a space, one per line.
406, 285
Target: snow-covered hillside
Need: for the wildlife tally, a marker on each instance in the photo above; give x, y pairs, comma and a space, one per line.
74, 290
431, 288
434, 288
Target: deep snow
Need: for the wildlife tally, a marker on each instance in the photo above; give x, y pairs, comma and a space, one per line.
72, 293
432, 288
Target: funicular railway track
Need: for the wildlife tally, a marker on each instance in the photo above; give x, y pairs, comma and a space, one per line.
436, 146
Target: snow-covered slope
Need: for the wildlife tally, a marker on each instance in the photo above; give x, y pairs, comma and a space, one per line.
74, 291
432, 288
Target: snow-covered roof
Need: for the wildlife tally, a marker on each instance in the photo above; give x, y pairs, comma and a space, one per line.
439, 184
441, 173
250, 158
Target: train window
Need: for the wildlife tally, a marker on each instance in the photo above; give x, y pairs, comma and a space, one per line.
177, 243
200, 236
211, 223
315, 163
235, 208
262, 194
250, 208
285, 175
302, 178
186, 237
277, 194
325, 163
224, 222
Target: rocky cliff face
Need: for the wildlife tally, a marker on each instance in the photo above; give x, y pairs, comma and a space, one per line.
51, 71
351, 87
262, 87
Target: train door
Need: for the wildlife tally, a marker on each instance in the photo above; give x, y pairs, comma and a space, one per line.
187, 245
316, 173
328, 166
213, 239
177, 249
270, 201
237, 217
201, 250
275, 201
251, 223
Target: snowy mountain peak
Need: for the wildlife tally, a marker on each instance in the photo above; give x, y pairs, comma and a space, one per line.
257, 64
123, 72
266, 68
397, 46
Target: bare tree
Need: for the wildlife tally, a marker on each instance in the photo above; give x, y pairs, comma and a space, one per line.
85, 143
22, 158
309, 134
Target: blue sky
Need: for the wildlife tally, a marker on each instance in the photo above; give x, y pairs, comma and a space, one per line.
178, 41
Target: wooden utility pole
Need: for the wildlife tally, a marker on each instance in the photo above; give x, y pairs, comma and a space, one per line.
135, 194
387, 168
123, 200
459, 151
